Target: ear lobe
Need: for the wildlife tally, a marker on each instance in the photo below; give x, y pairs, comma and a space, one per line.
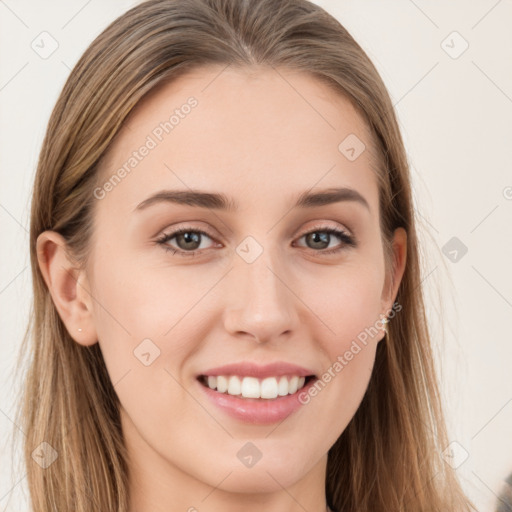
65, 283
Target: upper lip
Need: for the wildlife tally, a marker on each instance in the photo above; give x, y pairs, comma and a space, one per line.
250, 369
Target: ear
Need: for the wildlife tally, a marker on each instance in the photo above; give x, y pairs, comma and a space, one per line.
392, 282
68, 287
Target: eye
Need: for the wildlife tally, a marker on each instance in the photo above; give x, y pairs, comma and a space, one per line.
320, 236
189, 240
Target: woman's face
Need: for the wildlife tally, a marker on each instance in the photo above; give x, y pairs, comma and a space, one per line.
260, 287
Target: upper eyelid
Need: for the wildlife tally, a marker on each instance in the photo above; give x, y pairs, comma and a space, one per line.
317, 227
317, 224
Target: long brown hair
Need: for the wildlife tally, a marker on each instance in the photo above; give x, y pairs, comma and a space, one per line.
390, 455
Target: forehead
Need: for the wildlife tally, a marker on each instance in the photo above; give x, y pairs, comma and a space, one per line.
261, 133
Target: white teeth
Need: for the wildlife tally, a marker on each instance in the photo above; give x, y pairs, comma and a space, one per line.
235, 386
251, 387
292, 385
269, 388
222, 384
212, 382
282, 388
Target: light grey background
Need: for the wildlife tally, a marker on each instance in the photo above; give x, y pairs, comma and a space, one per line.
455, 112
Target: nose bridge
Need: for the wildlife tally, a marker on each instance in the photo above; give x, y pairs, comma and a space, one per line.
261, 303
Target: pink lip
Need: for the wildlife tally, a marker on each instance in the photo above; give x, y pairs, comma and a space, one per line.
259, 411
248, 369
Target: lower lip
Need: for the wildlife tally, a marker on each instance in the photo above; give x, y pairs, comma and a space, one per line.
261, 411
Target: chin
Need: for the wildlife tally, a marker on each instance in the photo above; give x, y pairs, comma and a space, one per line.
272, 472
259, 480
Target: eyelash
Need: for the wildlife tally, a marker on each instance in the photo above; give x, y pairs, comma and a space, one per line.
348, 241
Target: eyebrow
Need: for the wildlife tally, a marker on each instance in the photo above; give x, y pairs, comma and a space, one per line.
219, 201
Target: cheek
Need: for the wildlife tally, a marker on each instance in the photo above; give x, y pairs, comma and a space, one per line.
137, 314
348, 301
133, 303
149, 321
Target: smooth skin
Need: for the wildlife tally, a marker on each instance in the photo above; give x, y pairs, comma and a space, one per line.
262, 137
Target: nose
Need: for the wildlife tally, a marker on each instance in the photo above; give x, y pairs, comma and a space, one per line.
260, 302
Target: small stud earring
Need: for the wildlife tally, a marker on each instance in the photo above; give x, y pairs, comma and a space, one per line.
79, 329
385, 321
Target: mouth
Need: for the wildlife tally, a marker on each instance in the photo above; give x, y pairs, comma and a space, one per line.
256, 389
254, 393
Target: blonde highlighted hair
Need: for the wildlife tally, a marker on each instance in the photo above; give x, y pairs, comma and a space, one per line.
389, 456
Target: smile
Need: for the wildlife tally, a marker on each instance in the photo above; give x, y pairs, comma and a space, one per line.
251, 387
